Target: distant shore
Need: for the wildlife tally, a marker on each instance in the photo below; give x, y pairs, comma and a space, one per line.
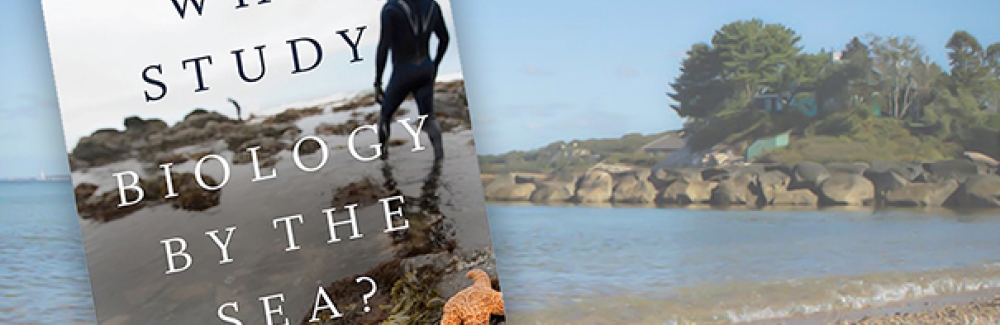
968, 182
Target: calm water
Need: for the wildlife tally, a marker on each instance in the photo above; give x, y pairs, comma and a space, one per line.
598, 265
43, 275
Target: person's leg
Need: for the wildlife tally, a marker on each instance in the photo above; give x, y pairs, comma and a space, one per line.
395, 92
425, 105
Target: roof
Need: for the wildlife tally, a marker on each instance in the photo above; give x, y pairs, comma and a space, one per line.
667, 142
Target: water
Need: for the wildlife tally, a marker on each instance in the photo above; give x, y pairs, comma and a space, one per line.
636, 265
43, 275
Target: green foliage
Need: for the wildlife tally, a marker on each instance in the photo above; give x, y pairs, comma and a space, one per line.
573, 156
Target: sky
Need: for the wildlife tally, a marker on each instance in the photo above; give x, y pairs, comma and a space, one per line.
536, 71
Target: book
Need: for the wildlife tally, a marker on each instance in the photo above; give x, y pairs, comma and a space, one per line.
272, 162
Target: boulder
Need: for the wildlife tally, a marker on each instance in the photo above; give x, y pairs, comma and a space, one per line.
595, 186
909, 171
769, 185
921, 194
808, 175
511, 192
714, 174
958, 170
802, 197
842, 189
728, 193
634, 188
981, 158
847, 168
886, 180
979, 191
138, 127
663, 177
682, 193
101, 147
548, 192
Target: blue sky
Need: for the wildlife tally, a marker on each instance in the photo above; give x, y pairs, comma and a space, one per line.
536, 71
30, 130
541, 71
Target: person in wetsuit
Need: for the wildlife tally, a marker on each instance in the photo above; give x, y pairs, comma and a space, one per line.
407, 26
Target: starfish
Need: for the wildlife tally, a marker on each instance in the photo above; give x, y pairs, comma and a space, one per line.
475, 304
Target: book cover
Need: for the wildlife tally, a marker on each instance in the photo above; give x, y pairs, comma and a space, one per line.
273, 162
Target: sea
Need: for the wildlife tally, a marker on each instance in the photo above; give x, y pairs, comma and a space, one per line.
43, 273
591, 265
607, 265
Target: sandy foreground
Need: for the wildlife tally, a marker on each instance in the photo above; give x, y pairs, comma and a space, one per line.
973, 308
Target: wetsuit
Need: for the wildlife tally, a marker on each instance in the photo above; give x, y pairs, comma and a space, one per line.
407, 26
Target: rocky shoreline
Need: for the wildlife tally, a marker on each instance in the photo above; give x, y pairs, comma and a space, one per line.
968, 182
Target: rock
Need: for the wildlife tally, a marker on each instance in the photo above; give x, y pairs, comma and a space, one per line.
552, 191
842, 189
802, 197
981, 158
84, 191
769, 185
683, 193
847, 168
714, 174
308, 147
886, 180
808, 175
595, 186
101, 147
729, 193
199, 117
959, 170
634, 188
137, 127
663, 177
190, 195
979, 191
921, 194
909, 171
511, 192
266, 154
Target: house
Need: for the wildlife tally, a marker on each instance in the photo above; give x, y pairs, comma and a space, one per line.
776, 103
665, 145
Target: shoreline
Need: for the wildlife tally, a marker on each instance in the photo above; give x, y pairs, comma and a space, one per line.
975, 307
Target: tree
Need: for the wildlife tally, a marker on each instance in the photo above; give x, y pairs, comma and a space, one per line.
753, 54
900, 64
700, 89
966, 58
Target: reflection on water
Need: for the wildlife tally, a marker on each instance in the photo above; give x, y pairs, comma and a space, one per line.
606, 265
43, 275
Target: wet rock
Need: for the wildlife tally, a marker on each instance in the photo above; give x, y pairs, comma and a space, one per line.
595, 186
292, 114
683, 193
634, 188
845, 189
199, 117
140, 128
921, 194
269, 148
979, 191
84, 191
191, 196
552, 191
714, 174
102, 147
